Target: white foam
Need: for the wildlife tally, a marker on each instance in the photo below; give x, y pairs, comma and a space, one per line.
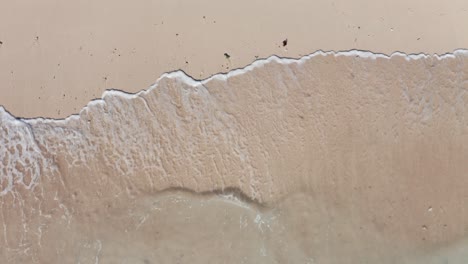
232, 199
20, 155
186, 79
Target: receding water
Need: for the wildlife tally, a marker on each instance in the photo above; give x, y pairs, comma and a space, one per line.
333, 158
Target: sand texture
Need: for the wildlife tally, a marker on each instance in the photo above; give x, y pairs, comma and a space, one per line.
345, 157
57, 55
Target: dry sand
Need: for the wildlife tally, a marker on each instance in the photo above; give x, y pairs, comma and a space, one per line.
347, 157
58, 55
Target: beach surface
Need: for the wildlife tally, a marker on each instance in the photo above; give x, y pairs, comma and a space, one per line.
56, 55
209, 150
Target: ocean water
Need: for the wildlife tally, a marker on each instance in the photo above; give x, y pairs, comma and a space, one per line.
335, 157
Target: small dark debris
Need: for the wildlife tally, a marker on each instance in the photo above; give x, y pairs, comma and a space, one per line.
285, 42
214, 21
186, 62
204, 17
1, 42
227, 55
256, 56
177, 34
418, 38
358, 27
105, 78
37, 38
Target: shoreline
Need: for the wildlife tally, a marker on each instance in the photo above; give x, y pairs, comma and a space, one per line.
58, 55
192, 81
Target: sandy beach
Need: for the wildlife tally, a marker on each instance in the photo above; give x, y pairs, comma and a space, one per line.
56, 56
349, 145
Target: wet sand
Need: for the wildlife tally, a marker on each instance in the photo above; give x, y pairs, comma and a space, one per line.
336, 157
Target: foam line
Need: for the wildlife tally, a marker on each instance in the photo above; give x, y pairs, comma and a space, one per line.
188, 80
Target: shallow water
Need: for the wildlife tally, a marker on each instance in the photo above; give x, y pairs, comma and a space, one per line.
334, 158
